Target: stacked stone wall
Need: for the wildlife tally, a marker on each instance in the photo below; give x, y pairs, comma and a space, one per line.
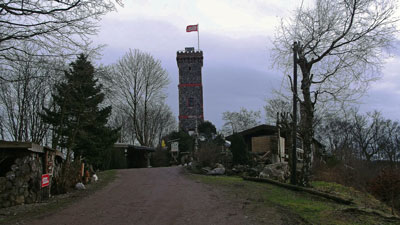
21, 185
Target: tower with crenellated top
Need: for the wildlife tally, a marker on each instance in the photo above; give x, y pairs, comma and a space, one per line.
190, 63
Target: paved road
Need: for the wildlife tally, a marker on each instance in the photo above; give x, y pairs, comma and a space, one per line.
151, 196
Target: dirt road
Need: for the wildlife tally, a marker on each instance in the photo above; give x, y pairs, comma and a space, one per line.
151, 196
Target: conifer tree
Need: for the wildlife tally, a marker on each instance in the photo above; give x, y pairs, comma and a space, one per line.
78, 119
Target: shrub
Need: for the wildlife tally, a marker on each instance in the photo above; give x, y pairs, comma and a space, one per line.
386, 187
208, 154
239, 150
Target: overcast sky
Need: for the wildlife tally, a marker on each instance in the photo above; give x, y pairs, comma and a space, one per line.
235, 37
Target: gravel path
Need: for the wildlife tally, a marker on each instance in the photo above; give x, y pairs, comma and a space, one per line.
151, 196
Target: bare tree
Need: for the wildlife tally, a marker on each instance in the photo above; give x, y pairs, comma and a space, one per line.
390, 143
141, 82
161, 122
239, 121
339, 50
23, 99
276, 106
59, 28
337, 131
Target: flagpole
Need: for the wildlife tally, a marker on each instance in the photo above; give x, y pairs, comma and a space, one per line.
198, 38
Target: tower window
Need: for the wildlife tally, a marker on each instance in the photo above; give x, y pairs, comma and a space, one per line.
190, 102
190, 68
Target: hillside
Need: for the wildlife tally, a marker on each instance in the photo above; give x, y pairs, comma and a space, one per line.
301, 208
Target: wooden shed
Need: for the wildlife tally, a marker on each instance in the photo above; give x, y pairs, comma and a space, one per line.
269, 139
130, 156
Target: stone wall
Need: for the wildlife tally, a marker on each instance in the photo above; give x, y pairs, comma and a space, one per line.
22, 183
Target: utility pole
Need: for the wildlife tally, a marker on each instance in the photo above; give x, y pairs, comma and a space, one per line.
293, 176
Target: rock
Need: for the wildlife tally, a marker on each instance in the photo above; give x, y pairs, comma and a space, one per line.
10, 175
252, 172
19, 181
217, 171
20, 200
12, 197
206, 169
276, 171
25, 168
33, 196
26, 160
80, 186
21, 191
6, 204
9, 185
95, 178
26, 193
4, 196
3, 182
218, 165
34, 166
239, 168
28, 200
14, 167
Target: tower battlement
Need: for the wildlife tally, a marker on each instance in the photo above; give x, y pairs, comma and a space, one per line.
189, 57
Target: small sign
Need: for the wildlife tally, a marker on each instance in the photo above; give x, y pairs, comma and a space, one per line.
163, 145
175, 146
45, 180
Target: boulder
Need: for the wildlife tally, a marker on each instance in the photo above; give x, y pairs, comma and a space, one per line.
206, 169
21, 191
218, 165
28, 200
252, 172
19, 199
80, 186
10, 175
25, 169
14, 167
239, 169
6, 204
216, 171
19, 181
9, 185
276, 171
94, 178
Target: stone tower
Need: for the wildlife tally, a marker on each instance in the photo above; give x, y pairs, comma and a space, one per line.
190, 88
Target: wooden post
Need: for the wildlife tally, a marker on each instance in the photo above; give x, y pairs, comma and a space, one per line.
293, 176
279, 137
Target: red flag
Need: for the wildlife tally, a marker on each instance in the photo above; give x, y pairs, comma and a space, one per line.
191, 28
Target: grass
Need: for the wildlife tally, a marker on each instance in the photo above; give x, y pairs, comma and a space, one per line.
308, 208
37, 210
362, 199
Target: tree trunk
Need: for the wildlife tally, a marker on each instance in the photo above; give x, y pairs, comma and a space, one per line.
306, 125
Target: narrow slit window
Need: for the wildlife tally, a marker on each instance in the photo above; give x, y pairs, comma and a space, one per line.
190, 102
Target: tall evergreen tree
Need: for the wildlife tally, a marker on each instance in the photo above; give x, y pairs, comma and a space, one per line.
78, 120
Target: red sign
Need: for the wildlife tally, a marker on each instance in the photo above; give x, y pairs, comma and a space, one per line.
45, 180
